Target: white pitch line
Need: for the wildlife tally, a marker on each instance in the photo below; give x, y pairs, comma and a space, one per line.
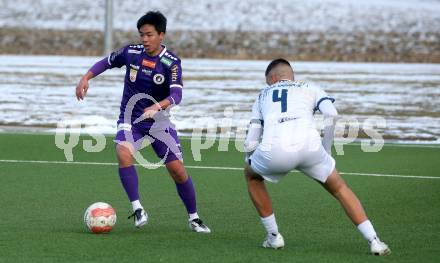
55, 162
212, 168
392, 175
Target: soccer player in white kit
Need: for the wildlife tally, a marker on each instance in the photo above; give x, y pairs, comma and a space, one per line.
282, 137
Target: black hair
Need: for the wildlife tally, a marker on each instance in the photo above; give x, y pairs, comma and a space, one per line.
154, 18
275, 63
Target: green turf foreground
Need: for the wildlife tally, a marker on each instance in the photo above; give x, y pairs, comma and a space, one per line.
42, 204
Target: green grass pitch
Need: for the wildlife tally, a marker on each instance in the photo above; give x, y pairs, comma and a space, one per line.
42, 204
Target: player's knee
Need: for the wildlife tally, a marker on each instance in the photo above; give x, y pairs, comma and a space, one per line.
177, 171
125, 155
180, 179
179, 176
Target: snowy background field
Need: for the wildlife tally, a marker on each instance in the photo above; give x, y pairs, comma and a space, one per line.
336, 30
245, 15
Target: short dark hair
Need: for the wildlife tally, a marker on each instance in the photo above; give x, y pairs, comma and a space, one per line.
275, 63
154, 18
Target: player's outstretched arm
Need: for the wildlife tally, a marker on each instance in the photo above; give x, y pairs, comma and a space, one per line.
95, 70
83, 85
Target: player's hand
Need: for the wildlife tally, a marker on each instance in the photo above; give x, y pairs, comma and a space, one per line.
149, 112
81, 88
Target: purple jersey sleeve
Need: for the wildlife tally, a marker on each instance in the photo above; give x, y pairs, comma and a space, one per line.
175, 95
117, 58
99, 67
176, 84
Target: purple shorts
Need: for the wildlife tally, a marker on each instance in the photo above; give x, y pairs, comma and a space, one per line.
165, 142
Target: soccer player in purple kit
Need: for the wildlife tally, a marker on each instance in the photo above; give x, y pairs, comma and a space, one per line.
154, 80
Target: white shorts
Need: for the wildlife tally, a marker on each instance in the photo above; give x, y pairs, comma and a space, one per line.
274, 161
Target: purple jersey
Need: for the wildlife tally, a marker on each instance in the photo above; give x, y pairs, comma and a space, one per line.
154, 76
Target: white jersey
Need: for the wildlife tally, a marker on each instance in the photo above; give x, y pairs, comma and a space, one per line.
290, 139
286, 108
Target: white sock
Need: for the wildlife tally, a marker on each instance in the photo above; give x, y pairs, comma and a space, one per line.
270, 224
136, 205
367, 230
193, 216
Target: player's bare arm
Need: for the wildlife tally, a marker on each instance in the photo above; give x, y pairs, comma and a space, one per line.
83, 85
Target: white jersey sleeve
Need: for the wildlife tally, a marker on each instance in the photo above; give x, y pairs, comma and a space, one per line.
323, 103
256, 111
320, 96
255, 129
330, 113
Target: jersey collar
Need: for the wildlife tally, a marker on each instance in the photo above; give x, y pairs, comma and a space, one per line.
164, 50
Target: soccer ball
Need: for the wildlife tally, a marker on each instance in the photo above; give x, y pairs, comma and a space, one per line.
100, 217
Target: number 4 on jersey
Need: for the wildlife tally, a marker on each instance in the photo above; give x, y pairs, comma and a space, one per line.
276, 97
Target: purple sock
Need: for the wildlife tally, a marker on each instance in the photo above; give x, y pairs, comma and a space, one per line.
129, 180
188, 195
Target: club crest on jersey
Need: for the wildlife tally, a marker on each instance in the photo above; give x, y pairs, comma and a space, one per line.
158, 79
133, 74
148, 63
